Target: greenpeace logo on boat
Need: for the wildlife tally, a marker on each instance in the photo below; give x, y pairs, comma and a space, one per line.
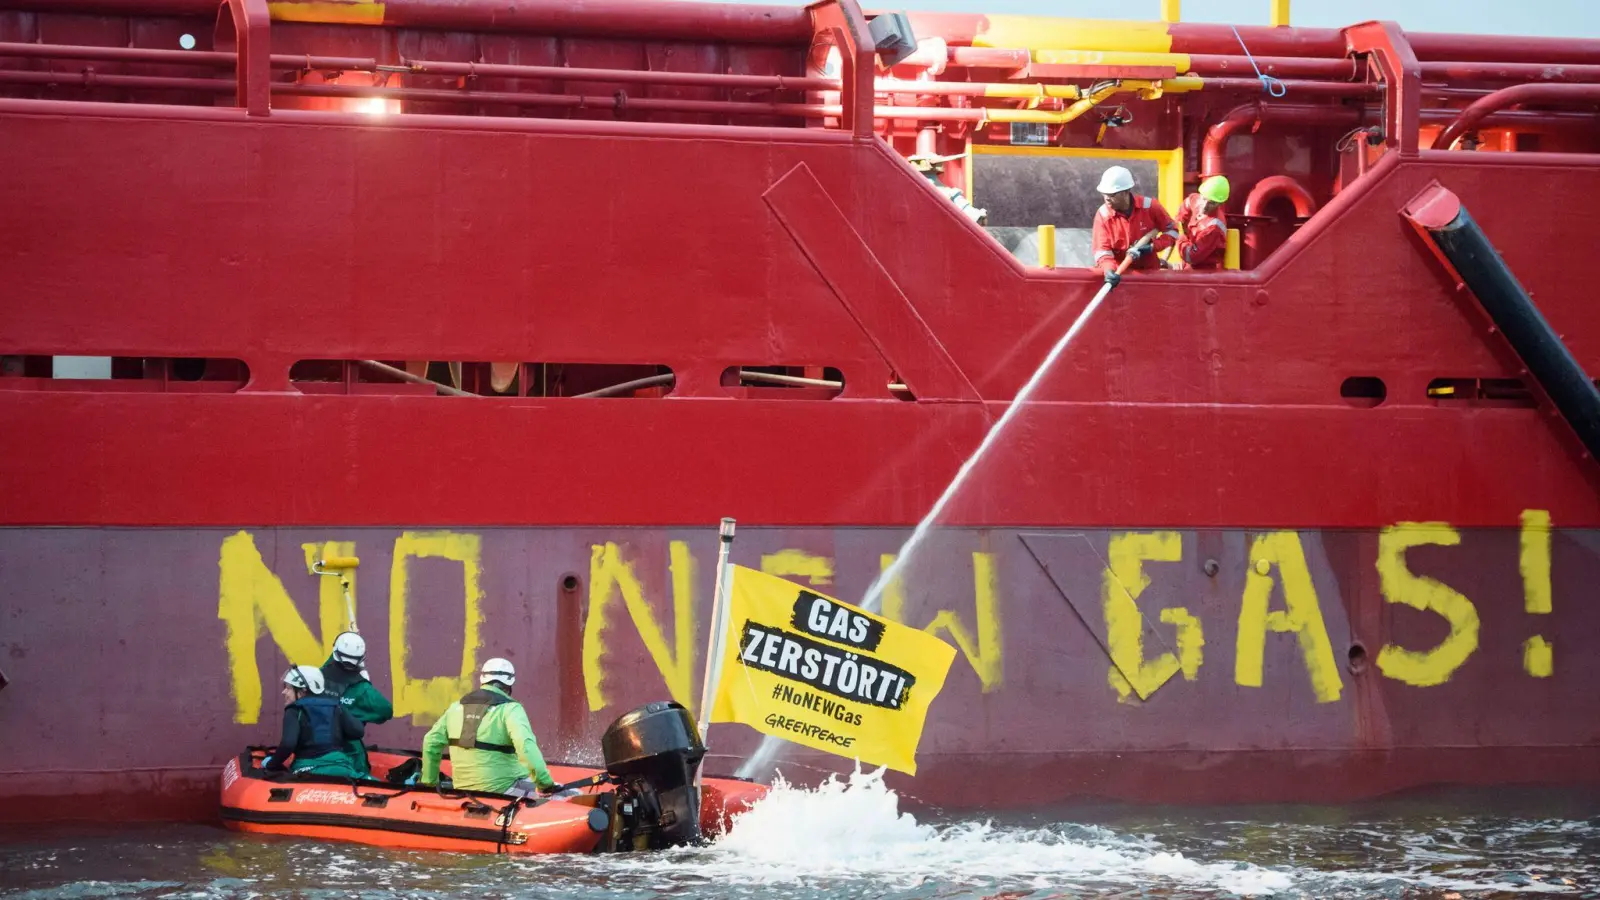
784, 723
341, 798
230, 773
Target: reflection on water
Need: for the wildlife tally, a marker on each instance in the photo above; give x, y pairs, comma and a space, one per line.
850, 839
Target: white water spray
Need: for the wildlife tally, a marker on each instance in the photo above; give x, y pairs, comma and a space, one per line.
770, 746
849, 833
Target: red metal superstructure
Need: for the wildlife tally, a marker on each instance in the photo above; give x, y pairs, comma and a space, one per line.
515, 303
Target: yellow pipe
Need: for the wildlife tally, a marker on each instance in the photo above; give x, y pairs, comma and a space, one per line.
1169, 10
1230, 256
1047, 246
1149, 89
1280, 13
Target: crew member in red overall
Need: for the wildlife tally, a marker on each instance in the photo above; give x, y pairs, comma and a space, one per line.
1205, 230
1123, 220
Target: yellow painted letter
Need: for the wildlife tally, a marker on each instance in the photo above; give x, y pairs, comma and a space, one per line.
251, 596
1538, 657
799, 564
1124, 581
425, 699
985, 652
1302, 614
610, 574
1534, 561
1399, 585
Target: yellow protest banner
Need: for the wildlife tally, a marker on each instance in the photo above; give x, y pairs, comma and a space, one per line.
809, 669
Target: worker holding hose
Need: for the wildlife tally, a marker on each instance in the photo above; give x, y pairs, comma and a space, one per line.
1122, 220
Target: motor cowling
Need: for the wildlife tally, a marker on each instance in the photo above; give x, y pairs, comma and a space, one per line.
652, 754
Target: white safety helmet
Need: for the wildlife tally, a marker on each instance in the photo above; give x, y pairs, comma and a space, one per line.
498, 669
304, 678
1116, 180
350, 648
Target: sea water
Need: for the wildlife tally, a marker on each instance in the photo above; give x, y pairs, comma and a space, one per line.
850, 838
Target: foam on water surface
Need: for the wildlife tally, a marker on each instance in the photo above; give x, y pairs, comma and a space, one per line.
849, 838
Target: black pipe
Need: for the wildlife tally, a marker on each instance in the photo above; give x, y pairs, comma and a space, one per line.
1500, 294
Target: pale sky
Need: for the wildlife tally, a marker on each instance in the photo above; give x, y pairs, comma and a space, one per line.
1556, 18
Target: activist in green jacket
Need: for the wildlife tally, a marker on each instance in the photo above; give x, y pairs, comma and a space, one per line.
345, 675
491, 743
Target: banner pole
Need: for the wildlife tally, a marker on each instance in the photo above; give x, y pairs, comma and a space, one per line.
715, 640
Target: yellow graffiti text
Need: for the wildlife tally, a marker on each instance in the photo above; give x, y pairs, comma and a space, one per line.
1533, 559
799, 564
1538, 657
250, 596
1302, 615
985, 650
1399, 585
610, 575
425, 699
1124, 580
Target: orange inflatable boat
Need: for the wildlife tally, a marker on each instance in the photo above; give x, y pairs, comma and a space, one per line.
644, 799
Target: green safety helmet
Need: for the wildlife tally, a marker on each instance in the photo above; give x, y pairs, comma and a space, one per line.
1215, 189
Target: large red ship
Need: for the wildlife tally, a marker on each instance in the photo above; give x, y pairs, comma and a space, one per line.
514, 301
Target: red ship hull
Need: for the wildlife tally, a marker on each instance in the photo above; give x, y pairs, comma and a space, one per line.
1244, 545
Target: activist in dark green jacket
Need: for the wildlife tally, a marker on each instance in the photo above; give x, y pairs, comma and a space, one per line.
491, 743
345, 675
315, 729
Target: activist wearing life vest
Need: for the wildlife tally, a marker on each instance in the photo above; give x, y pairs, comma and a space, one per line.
345, 678
315, 728
1205, 229
1122, 220
492, 747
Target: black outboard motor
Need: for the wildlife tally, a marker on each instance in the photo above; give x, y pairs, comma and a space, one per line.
652, 754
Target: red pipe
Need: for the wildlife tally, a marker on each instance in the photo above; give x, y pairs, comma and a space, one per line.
1541, 121
988, 57
506, 124
677, 21
1296, 88
1504, 48
617, 103
157, 56
419, 67
1261, 40
135, 82
1499, 100
620, 76
1280, 186
1257, 113
492, 98
1515, 72
617, 76
1276, 66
